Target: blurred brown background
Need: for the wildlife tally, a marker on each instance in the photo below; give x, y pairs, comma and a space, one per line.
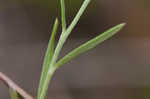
117, 69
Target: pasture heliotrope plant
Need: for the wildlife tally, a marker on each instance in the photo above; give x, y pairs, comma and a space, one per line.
50, 64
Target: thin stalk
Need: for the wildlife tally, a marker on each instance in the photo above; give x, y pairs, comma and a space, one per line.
63, 16
59, 46
10, 84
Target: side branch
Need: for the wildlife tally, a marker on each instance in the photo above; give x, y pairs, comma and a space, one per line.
10, 84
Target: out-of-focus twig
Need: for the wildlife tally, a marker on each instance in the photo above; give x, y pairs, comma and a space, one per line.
10, 84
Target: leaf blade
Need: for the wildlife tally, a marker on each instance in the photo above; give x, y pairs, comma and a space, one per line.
89, 45
48, 56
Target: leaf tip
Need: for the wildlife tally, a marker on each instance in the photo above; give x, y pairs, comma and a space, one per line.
122, 25
56, 20
119, 27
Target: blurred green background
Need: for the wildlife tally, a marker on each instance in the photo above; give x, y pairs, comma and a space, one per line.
118, 69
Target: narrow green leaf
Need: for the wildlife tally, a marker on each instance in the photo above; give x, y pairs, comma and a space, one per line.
63, 17
13, 94
90, 44
48, 56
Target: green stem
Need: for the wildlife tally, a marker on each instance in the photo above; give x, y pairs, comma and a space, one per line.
46, 83
63, 17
